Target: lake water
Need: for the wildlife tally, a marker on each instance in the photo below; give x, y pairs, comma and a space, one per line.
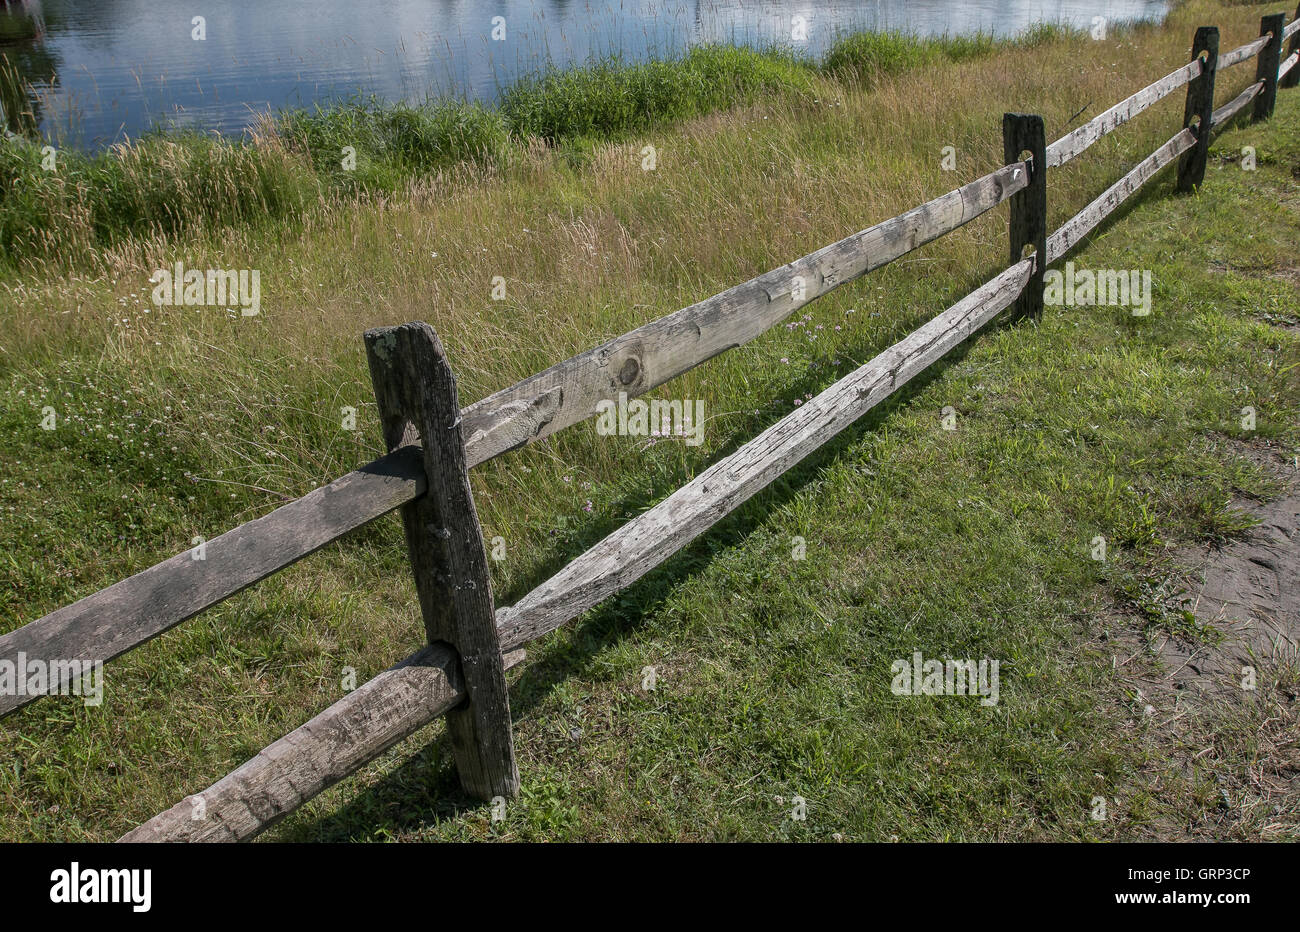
106, 70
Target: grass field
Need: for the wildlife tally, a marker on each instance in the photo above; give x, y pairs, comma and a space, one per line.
773, 672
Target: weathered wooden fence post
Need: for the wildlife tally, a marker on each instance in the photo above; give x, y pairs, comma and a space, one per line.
416, 393
1293, 76
1025, 133
1270, 56
1199, 109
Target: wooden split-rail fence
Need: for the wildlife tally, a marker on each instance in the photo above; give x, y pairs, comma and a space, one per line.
433, 442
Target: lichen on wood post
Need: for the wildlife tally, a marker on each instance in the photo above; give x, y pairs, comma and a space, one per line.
416, 394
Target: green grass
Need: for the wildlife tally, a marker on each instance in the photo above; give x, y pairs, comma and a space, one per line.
171, 181
163, 185
15, 111
773, 672
864, 56
612, 99
394, 142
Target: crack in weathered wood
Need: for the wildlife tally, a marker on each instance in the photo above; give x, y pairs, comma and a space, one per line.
285, 774
1235, 106
1078, 140
415, 391
1241, 53
114, 620
1286, 66
654, 535
665, 348
1082, 223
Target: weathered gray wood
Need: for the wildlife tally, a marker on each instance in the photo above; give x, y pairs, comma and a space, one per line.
416, 393
347, 735
1199, 110
644, 358
1270, 56
115, 620
1028, 225
123, 616
1077, 141
393, 705
1233, 107
1287, 75
1082, 223
1286, 70
1241, 53
647, 540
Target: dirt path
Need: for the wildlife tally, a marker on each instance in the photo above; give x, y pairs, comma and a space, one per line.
1250, 592
1221, 717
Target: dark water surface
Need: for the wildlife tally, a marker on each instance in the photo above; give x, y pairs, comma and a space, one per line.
107, 69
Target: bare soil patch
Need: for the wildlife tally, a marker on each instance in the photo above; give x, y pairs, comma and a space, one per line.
1221, 715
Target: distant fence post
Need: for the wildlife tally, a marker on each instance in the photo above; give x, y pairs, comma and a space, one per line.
416, 393
1293, 76
1025, 133
1199, 109
1270, 57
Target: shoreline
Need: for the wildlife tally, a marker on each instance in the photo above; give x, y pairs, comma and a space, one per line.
60, 206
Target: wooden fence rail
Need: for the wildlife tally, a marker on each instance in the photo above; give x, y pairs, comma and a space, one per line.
124, 616
368, 721
433, 442
1242, 53
1286, 75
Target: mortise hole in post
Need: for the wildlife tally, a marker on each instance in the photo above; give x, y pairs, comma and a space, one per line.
1194, 122
1028, 250
1026, 156
1204, 56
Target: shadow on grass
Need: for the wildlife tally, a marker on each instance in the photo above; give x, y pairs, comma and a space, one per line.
425, 789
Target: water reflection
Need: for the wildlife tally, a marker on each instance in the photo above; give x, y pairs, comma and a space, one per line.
27, 64
102, 69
